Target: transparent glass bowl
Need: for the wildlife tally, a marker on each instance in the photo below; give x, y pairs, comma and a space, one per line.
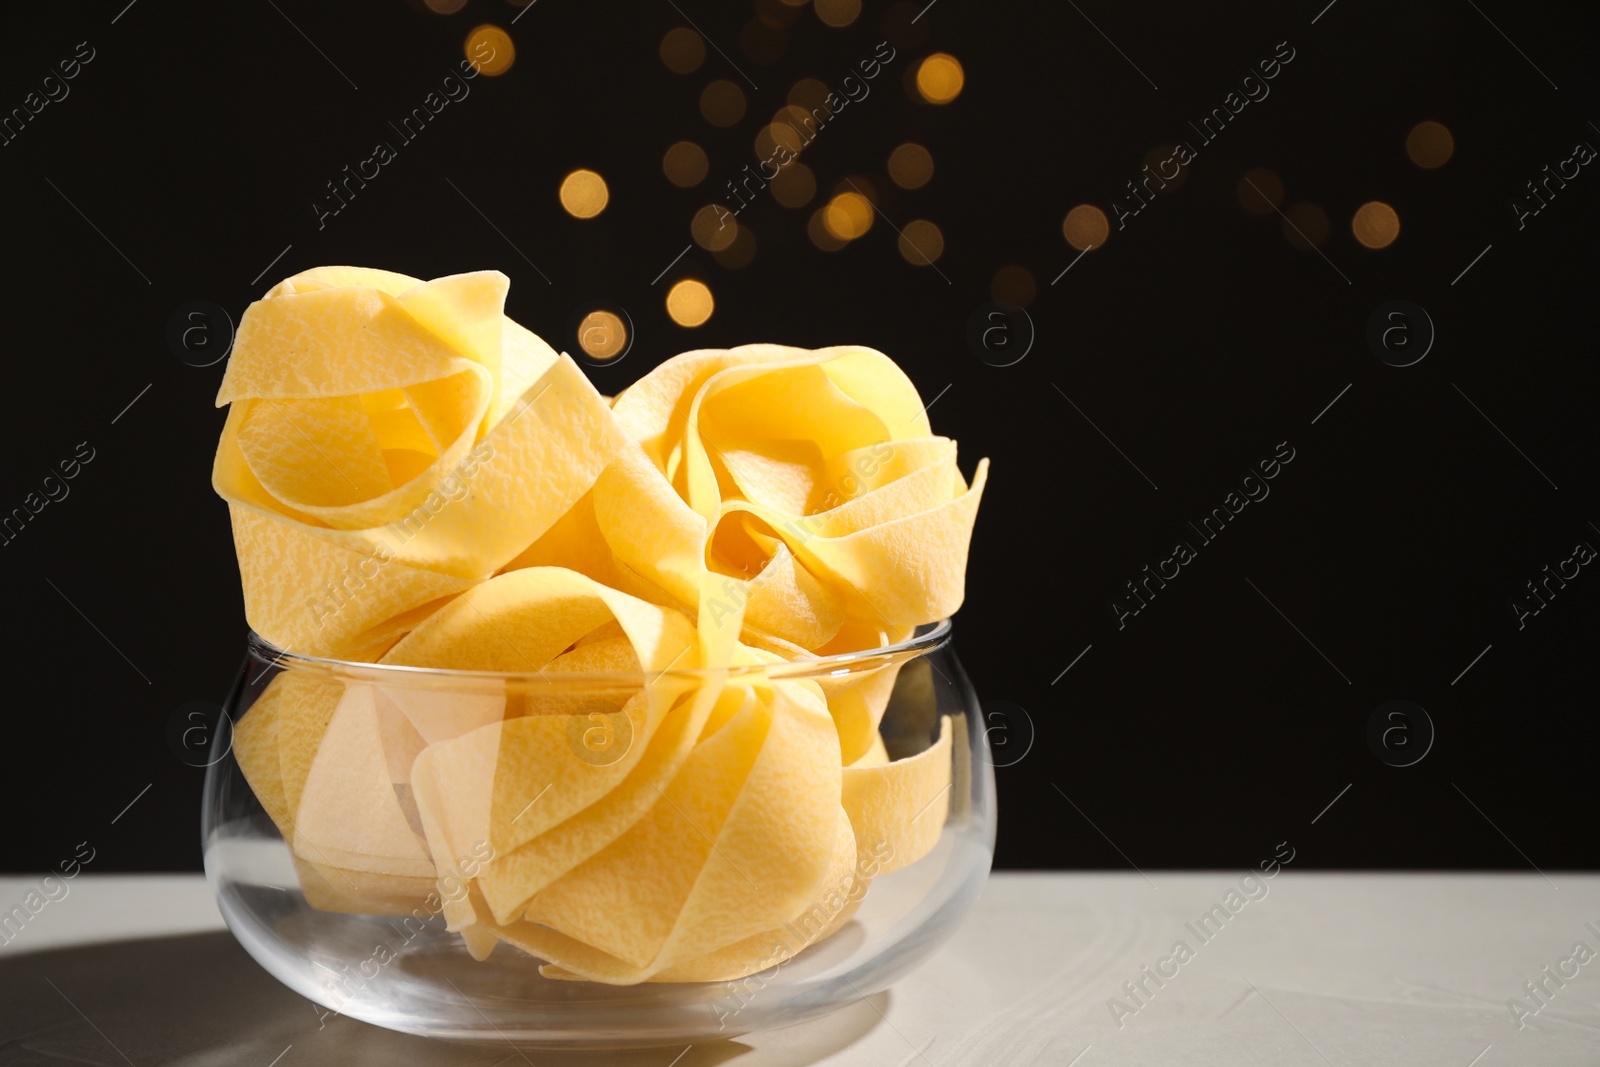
397, 966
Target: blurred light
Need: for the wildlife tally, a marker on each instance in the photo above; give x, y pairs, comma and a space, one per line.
921, 243
797, 3
837, 12
740, 252
910, 166
774, 134
848, 216
792, 127
1305, 225
776, 13
489, 48
1259, 191
1013, 285
794, 186
602, 335
858, 183
445, 7
904, 25
685, 164
1376, 224
817, 230
809, 93
1085, 227
682, 50
722, 103
713, 227
762, 43
766, 143
1430, 145
584, 194
940, 78
689, 302
1163, 153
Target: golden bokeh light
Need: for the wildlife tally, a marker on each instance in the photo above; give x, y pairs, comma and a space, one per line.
791, 127
602, 335
1430, 144
837, 12
1086, 227
683, 50
489, 48
584, 194
794, 185
1260, 191
689, 302
445, 7
740, 252
921, 242
1305, 225
1376, 224
722, 103
685, 164
713, 227
910, 166
1012, 284
817, 230
940, 78
809, 93
848, 216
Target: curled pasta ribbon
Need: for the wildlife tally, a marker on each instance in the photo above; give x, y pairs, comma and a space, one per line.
391, 442
808, 487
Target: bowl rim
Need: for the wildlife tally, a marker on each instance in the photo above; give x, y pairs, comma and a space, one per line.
925, 639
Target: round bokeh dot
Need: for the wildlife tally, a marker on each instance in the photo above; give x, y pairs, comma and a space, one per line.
1376, 224
489, 48
689, 302
940, 78
584, 194
1086, 227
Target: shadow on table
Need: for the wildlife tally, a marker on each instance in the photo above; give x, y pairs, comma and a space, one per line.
198, 1000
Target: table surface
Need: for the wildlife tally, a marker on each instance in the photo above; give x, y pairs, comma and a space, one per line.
1317, 969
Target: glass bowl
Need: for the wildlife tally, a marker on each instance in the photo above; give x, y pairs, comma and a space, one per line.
369, 939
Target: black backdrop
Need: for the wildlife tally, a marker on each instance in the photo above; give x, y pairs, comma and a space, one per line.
1222, 718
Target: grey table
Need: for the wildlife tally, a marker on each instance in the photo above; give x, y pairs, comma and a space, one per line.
1315, 969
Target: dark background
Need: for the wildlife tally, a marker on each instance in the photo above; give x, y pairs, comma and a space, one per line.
1203, 733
